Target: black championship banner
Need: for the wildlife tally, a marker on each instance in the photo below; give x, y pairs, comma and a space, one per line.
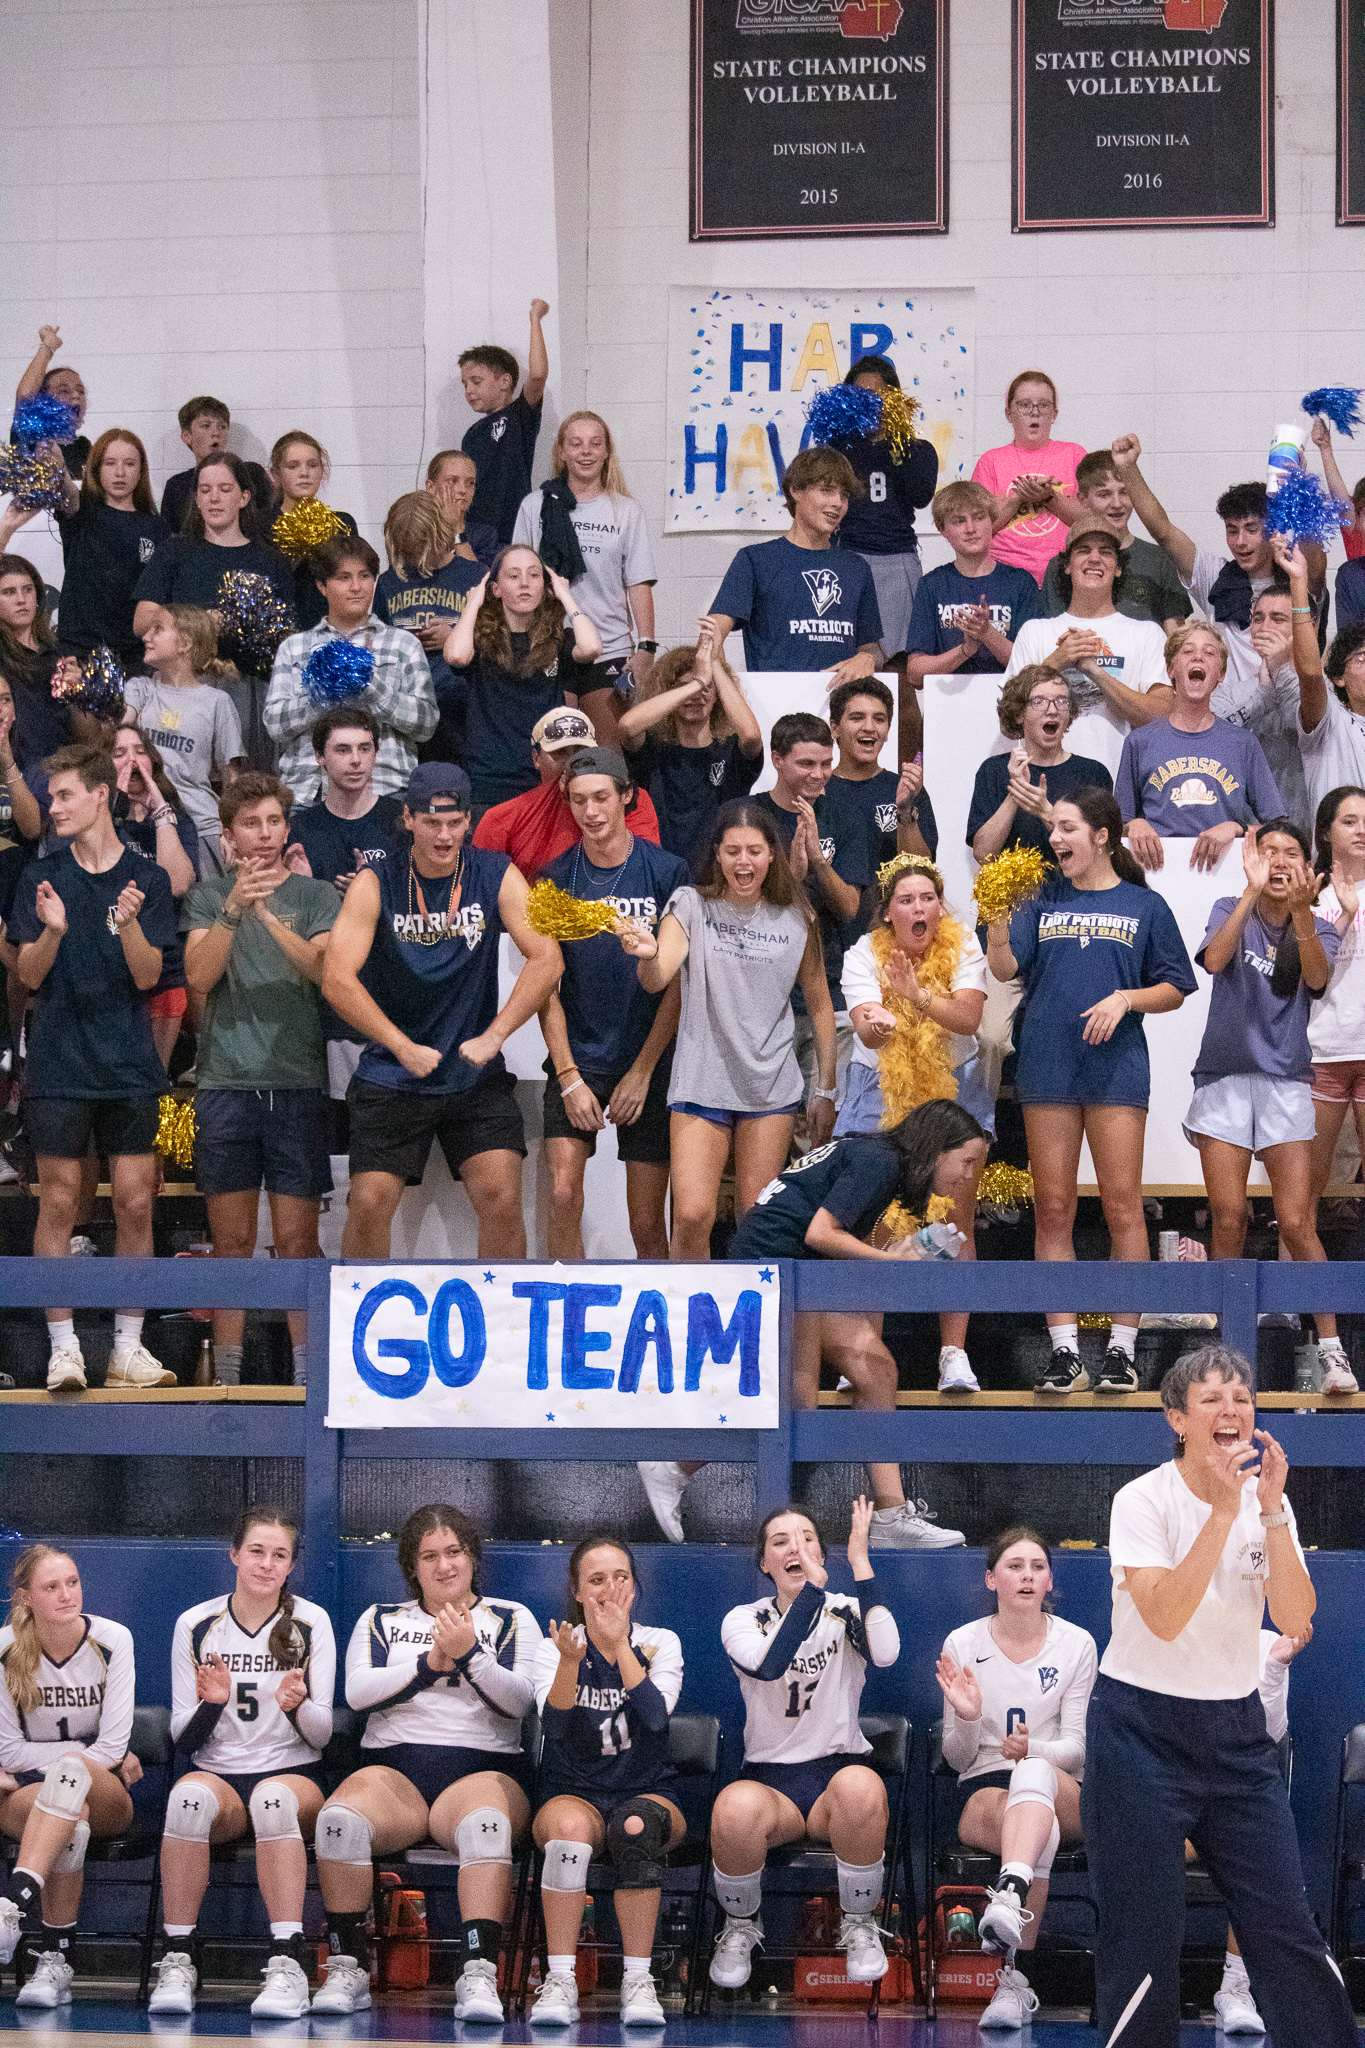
1350, 113
1143, 113
819, 117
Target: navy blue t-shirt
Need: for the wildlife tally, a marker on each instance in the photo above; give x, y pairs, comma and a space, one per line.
310, 606
1351, 594
854, 1178
687, 785
342, 846
503, 446
142, 837
106, 553
501, 708
90, 1034
1012, 595
1063, 779
613, 1744
42, 722
847, 844
440, 993
883, 523
801, 608
876, 799
429, 599
178, 495
1074, 947
609, 1015
186, 571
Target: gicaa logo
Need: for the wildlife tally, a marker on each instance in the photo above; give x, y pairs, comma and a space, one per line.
1173, 14
860, 19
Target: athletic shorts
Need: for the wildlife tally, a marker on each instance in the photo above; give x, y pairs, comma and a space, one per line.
643, 1143
1256, 1111
613, 673
432, 1768
953, 1802
244, 1783
276, 1138
728, 1118
64, 1126
393, 1129
170, 1002
1338, 1081
802, 1783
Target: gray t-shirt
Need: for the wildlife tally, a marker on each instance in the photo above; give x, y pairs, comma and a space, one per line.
196, 732
614, 540
735, 1035
262, 1021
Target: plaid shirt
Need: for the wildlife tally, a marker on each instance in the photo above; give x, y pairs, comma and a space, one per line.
399, 693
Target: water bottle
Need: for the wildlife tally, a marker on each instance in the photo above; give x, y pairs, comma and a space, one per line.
1286, 453
203, 1372
960, 1927
939, 1241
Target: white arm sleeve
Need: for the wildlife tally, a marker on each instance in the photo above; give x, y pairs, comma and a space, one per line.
16, 1752
313, 1716
184, 1698
110, 1746
1066, 1752
375, 1684
666, 1667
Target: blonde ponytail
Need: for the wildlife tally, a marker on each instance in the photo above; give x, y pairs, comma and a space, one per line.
25, 1654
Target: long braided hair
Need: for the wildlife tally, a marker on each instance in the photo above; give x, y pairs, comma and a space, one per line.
286, 1640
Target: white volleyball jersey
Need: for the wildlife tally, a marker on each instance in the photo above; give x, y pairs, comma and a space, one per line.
478, 1705
1048, 1695
252, 1733
88, 1698
802, 1673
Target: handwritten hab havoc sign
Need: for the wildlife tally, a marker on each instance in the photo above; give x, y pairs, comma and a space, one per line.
1142, 113
523, 1346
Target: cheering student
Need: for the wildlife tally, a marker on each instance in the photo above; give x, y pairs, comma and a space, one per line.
1176, 1743
606, 1686
111, 531
149, 816
189, 719
299, 467
584, 522
895, 807
798, 612
1014, 793
534, 828
1111, 663
1098, 953
692, 740
609, 1044
1028, 476
880, 522
1151, 587
255, 1744
205, 424
452, 479
502, 441
29, 661
524, 647
967, 611
1212, 791
801, 1656
1016, 1685
1331, 722
445, 1678
92, 923
62, 383
66, 1715
424, 589
829, 1204
1334, 1027
256, 940
422, 929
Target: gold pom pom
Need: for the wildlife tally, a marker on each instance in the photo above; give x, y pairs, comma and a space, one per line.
899, 413
1094, 1319
1002, 1186
897, 1222
305, 527
556, 915
175, 1130
1012, 878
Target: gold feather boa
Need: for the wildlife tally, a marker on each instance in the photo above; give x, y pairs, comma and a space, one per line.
913, 1065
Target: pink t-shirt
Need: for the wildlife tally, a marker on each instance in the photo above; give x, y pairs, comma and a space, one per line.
1030, 541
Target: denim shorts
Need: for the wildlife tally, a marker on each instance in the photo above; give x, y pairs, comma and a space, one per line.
728, 1118
276, 1138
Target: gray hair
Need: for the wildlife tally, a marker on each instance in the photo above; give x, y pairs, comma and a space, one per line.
1210, 1361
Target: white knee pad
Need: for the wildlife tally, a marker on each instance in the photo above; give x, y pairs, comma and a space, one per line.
191, 1811
566, 1867
72, 1857
274, 1811
65, 1786
1034, 1781
343, 1836
484, 1836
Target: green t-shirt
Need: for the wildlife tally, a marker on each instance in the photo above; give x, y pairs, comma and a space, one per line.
1151, 586
262, 1027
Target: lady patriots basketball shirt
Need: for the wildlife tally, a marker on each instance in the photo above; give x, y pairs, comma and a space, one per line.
1048, 1695
251, 1733
86, 1699
802, 1673
478, 1705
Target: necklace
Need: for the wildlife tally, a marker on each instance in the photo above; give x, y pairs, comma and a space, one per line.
742, 919
419, 917
573, 881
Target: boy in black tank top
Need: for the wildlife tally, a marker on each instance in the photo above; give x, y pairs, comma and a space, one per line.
413, 964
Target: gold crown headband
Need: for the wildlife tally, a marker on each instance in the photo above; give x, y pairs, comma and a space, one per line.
907, 864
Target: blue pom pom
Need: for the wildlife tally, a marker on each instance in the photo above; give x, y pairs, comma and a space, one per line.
1302, 510
336, 671
843, 414
43, 418
101, 690
255, 617
1337, 403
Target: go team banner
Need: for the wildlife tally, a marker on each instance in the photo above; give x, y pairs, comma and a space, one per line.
743, 366
527, 1347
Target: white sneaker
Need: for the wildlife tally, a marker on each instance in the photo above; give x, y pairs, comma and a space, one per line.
910, 1527
557, 2005
640, 2005
733, 1958
66, 1371
1002, 1924
176, 1979
665, 1482
347, 1988
50, 1983
82, 1247
1014, 2002
137, 1368
11, 1929
284, 1995
476, 1994
864, 1957
8, 1173
1236, 2009
955, 1375
1337, 1376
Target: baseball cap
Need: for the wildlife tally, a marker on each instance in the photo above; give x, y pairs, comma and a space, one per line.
434, 779
562, 728
600, 761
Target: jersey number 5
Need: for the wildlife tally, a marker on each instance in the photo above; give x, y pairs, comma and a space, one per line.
248, 1706
615, 1734
798, 1697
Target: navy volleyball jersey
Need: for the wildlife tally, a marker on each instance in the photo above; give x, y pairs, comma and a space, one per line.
612, 1744
1074, 947
853, 1178
436, 978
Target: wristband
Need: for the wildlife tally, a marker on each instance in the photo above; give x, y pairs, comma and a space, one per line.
1122, 995
823, 1094
579, 1083
166, 812
231, 918
647, 646
1301, 611
1276, 1521
560, 1072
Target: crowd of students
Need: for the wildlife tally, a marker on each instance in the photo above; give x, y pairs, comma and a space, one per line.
313, 879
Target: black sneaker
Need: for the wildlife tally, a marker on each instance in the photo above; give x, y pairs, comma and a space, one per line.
1063, 1374
1118, 1374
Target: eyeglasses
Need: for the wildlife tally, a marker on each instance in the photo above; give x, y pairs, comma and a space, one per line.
1049, 703
1033, 405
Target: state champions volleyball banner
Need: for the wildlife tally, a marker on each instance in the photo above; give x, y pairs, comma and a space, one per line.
743, 365
519, 1346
